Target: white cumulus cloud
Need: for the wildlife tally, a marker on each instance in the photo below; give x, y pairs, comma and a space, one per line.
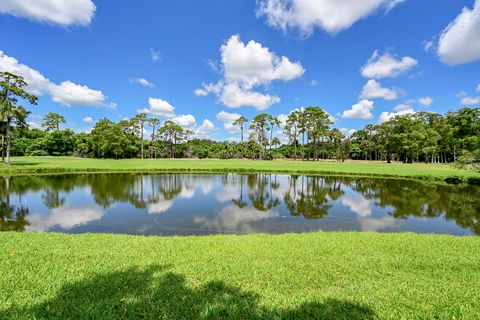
187, 121
234, 96
425, 101
332, 16
66, 93
200, 92
252, 64
460, 41
373, 90
142, 81
88, 120
60, 12
399, 110
205, 128
468, 101
159, 107
386, 65
245, 67
228, 119
37, 83
360, 110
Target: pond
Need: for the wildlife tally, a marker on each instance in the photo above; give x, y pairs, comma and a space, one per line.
199, 204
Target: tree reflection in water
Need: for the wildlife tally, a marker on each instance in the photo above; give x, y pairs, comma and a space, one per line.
310, 197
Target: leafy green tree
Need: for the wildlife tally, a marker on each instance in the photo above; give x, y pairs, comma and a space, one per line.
12, 87
60, 143
171, 133
387, 143
100, 137
253, 148
465, 125
336, 137
81, 144
317, 126
52, 120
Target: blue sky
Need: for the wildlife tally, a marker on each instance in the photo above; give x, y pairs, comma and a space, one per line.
362, 61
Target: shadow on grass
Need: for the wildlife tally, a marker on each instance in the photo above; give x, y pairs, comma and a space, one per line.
156, 293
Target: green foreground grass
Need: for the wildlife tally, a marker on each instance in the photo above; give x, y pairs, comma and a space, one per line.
71, 164
295, 276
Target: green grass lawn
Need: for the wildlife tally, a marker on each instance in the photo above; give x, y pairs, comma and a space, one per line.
317, 275
419, 170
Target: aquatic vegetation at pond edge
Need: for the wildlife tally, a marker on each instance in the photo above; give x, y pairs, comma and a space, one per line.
185, 204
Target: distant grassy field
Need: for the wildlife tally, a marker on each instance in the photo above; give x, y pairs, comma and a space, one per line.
418, 170
294, 276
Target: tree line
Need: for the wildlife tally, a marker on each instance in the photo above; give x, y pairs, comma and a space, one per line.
419, 137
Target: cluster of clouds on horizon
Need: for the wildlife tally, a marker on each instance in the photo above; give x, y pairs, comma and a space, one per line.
247, 69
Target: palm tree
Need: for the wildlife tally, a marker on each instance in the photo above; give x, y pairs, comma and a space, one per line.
276, 142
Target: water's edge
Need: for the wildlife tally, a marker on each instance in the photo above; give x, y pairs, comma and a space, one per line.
47, 171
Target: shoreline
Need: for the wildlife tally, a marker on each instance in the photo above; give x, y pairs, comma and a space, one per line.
462, 177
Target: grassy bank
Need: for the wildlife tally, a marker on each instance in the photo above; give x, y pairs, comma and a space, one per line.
70, 164
332, 275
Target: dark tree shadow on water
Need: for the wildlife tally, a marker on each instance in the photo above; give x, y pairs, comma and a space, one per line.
155, 293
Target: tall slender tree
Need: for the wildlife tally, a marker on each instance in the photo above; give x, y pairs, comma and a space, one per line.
292, 130
241, 123
302, 129
154, 123
273, 122
259, 126
140, 120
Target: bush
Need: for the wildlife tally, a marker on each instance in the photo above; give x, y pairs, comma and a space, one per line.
38, 153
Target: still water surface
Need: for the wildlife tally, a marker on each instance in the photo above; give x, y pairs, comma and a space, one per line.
198, 204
